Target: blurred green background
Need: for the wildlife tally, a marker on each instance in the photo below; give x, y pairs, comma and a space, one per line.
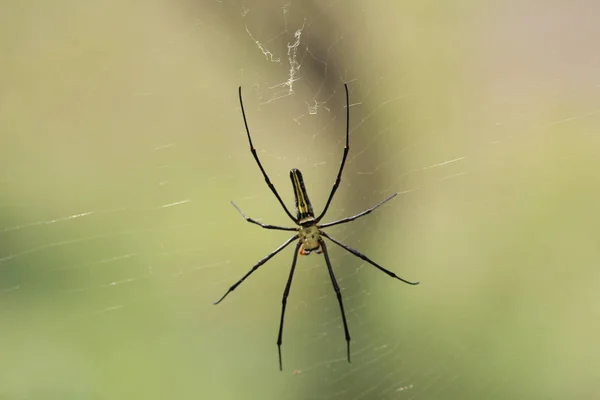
122, 144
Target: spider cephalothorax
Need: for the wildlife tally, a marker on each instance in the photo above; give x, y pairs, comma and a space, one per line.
309, 236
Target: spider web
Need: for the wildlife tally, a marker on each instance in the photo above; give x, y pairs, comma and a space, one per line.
123, 143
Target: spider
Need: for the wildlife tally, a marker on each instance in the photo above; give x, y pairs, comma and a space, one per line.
309, 234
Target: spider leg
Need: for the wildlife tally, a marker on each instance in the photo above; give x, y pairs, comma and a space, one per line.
255, 267
346, 149
253, 150
266, 226
368, 211
286, 293
338, 293
367, 259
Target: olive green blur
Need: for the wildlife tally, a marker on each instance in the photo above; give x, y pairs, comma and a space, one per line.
122, 143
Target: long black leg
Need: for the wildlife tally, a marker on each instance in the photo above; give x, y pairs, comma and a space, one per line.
253, 150
346, 149
339, 296
266, 226
362, 256
344, 220
255, 267
286, 293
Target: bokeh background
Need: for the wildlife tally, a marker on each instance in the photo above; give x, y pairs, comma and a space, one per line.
122, 144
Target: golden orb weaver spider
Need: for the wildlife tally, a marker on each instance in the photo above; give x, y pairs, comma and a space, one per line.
310, 234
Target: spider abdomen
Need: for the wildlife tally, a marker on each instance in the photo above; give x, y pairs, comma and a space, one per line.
304, 210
